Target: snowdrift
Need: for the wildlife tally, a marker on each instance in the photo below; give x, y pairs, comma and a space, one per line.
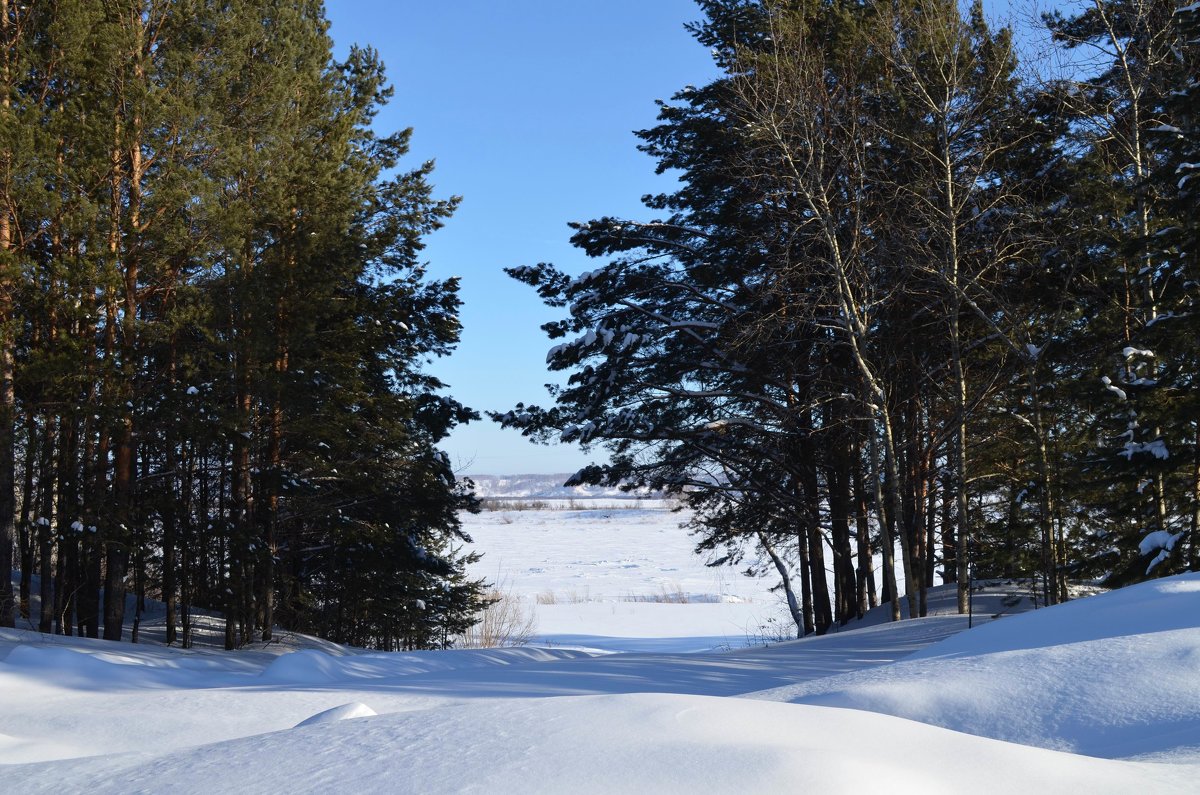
1115, 676
1026, 703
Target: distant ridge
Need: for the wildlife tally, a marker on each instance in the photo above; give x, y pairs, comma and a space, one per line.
545, 487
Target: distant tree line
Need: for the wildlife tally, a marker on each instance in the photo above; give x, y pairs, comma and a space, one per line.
212, 321
906, 301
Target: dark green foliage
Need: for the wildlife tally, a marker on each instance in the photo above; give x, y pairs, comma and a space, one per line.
218, 318
1132, 361
902, 294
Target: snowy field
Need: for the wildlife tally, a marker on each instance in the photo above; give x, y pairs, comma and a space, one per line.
620, 575
1101, 695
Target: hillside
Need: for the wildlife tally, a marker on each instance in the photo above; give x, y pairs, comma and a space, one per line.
1111, 676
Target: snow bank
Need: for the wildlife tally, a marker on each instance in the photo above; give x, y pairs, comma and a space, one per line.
1155, 606
1113, 676
606, 744
355, 709
77, 668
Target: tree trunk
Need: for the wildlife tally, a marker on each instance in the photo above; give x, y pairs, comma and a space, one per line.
949, 541
1193, 557
865, 574
838, 484
8, 416
884, 515
45, 535
806, 595
963, 536
786, 580
67, 587
822, 610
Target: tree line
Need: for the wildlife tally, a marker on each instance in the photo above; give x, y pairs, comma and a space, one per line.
909, 300
213, 316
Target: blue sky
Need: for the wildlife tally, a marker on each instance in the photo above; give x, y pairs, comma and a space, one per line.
528, 107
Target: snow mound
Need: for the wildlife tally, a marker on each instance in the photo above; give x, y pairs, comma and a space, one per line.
306, 666
71, 668
312, 667
1155, 606
604, 744
1111, 676
355, 709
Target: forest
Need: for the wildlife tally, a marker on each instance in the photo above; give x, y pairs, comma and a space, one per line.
916, 295
213, 319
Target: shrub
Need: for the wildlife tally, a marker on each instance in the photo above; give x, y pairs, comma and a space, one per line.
506, 621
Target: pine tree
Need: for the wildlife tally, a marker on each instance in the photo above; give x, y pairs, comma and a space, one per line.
1172, 334
1115, 108
207, 269
856, 284
704, 350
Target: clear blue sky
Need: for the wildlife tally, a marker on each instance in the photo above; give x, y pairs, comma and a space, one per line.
529, 108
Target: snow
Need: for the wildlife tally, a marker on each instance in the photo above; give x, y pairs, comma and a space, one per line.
618, 575
1112, 676
1159, 539
355, 709
1099, 695
1155, 447
1116, 390
598, 745
550, 487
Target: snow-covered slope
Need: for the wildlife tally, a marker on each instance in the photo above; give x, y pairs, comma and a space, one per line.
1114, 675
612, 744
918, 706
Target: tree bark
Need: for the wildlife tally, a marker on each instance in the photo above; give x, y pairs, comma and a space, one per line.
785, 578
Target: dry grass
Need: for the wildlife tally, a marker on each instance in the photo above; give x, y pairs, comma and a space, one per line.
507, 621
504, 504
673, 595
569, 597
560, 504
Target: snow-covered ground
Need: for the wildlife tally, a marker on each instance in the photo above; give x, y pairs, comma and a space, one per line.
537, 487
620, 575
1098, 695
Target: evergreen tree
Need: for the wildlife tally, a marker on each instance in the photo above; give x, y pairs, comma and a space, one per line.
214, 312
1171, 333
857, 293
1143, 449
